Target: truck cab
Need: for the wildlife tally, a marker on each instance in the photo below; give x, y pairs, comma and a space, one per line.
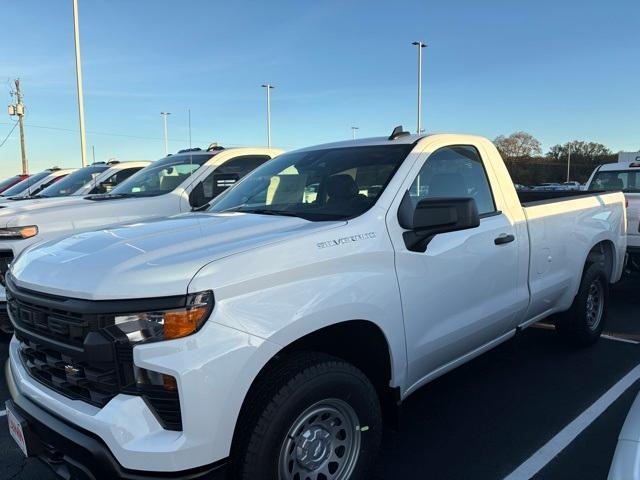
623, 177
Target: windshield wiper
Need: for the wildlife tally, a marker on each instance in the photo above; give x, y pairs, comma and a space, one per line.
269, 211
109, 196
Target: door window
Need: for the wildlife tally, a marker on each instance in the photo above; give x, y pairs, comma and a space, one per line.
223, 177
455, 171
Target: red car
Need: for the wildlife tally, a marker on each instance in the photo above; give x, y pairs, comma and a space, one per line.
11, 181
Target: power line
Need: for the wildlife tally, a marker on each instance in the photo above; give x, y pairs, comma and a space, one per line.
123, 135
110, 134
9, 134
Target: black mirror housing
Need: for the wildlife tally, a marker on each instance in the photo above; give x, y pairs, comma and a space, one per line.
196, 197
433, 216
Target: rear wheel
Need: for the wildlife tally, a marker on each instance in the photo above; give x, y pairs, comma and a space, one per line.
312, 417
583, 323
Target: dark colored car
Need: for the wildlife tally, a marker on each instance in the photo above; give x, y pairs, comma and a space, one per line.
11, 181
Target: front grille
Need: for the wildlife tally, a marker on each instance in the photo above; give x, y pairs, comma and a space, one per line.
89, 381
82, 356
6, 257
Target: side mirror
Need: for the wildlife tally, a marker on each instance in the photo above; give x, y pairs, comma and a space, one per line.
196, 197
432, 216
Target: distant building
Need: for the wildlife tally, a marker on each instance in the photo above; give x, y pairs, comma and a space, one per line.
628, 156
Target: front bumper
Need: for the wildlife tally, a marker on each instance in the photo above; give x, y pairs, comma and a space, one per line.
75, 453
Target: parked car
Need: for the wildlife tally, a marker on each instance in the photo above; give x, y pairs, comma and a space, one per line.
99, 177
271, 333
34, 184
626, 458
116, 173
171, 185
11, 181
623, 177
572, 185
551, 187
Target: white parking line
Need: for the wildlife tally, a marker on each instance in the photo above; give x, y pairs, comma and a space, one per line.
619, 339
553, 447
616, 337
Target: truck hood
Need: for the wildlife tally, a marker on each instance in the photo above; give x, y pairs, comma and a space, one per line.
12, 208
151, 259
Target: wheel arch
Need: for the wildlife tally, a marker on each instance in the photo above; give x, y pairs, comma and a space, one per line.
603, 252
354, 341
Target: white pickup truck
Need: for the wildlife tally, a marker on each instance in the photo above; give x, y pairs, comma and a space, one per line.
34, 184
269, 336
623, 177
174, 184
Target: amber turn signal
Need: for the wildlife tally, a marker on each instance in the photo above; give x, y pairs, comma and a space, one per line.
181, 323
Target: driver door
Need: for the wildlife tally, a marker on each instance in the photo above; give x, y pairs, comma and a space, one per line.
458, 294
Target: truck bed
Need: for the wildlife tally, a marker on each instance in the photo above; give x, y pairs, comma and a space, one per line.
531, 198
562, 226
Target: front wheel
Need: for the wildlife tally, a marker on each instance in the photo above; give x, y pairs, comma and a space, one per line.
312, 417
583, 323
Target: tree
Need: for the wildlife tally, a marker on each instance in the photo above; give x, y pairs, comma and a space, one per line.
579, 149
518, 145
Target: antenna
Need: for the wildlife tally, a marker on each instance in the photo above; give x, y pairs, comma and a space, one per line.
190, 151
397, 133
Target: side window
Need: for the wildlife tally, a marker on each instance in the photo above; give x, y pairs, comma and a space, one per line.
227, 174
455, 171
242, 165
107, 185
46, 184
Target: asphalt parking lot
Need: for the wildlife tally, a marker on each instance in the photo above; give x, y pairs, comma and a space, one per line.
490, 416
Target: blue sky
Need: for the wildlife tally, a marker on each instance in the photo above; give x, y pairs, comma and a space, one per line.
561, 70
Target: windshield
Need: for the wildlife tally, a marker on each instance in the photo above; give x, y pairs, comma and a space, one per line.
625, 180
330, 184
9, 181
162, 176
23, 185
73, 182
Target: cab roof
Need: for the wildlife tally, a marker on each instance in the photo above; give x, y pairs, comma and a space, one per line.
608, 167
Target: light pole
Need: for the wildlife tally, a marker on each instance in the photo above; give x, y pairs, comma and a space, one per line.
353, 132
569, 162
76, 35
166, 138
420, 46
269, 88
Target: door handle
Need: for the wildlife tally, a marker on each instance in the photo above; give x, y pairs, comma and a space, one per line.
504, 239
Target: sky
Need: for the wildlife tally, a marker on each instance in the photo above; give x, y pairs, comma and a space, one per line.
561, 70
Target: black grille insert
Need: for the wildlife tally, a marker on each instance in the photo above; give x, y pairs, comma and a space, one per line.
6, 257
82, 356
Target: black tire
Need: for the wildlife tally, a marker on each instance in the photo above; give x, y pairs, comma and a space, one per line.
575, 326
286, 392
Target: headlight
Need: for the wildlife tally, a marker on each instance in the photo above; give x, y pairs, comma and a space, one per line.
18, 233
167, 324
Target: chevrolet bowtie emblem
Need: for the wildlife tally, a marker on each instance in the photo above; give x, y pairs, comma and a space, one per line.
71, 370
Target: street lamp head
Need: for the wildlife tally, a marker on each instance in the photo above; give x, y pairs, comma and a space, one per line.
422, 45
267, 86
165, 113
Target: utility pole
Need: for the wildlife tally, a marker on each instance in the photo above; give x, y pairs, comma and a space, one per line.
76, 35
420, 46
269, 88
353, 132
569, 162
18, 110
166, 138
